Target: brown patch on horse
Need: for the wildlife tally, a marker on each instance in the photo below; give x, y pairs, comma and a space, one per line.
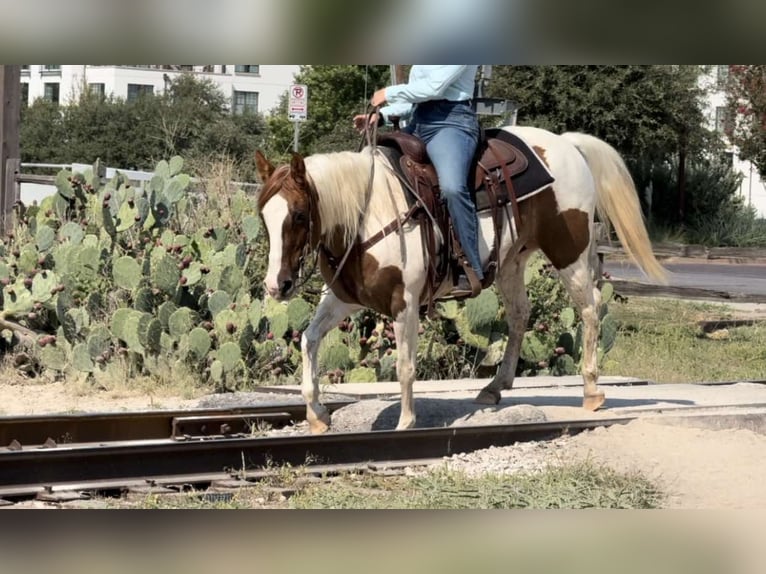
273, 185
362, 280
541, 152
562, 236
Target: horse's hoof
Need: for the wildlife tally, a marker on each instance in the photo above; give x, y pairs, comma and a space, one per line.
318, 427
593, 402
404, 425
320, 422
487, 397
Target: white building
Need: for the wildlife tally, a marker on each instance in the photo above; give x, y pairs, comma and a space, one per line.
250, 87
753, 187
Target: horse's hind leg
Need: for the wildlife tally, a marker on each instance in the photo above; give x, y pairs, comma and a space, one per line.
329, 312
579, 280
406, 330
513, 292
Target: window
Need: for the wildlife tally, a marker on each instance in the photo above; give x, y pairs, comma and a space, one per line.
722, 76
724, 122
239, 69
51, 92
135, 91
97, 89
24, 93
50, 70
25, 70
245, 102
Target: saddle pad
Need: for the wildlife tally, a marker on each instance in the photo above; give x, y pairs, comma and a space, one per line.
525, 184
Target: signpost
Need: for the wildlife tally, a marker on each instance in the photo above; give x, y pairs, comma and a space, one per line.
10, 106
297, 109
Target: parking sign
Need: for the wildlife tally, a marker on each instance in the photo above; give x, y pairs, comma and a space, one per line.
297, 107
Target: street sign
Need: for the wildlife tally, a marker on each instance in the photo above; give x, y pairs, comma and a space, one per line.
297, 106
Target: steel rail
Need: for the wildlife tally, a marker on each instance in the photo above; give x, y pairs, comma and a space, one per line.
137, 425
153, 458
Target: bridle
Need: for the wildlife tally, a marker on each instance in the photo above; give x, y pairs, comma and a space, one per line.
303, 278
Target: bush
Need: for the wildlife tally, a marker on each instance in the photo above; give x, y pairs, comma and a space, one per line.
714, 210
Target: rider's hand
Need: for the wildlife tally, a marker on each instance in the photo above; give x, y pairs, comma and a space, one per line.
378, 98
359, 121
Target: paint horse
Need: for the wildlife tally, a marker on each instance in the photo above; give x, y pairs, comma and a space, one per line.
331, 204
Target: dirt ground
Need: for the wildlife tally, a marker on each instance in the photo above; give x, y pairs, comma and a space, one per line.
711, 469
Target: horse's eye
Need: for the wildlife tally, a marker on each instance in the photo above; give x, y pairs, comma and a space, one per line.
299, 217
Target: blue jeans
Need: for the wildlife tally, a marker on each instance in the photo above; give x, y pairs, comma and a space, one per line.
450, 131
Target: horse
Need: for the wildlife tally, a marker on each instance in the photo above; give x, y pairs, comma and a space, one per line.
330, 204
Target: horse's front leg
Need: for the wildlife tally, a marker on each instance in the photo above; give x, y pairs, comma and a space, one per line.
329, 312
406, 331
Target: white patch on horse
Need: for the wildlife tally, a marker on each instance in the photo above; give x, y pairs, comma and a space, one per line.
578, 193
274, 213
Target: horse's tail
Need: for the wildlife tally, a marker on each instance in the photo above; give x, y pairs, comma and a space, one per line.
617, 201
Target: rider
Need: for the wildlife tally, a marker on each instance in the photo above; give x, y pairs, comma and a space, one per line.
437, 101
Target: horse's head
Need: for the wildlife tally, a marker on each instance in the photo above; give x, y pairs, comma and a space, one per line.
285, 203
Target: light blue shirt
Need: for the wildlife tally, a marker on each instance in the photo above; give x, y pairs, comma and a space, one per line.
425, 83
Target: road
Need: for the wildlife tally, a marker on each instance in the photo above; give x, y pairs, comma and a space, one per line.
732, 277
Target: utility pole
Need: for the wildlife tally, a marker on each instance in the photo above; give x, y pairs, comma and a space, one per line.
397, 74
485, 106
10, 118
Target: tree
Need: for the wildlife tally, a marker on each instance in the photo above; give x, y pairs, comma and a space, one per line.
652, 114
641, 110
746, 103
336, 94
191, 119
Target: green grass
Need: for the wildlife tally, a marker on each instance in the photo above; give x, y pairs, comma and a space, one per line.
577, 486
660, 340
574, 486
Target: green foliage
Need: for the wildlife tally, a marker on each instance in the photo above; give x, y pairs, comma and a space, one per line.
714, 212
641, 110
337, 94
190, 118
746, 102
142, 293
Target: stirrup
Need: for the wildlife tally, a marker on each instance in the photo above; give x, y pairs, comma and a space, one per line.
468, 285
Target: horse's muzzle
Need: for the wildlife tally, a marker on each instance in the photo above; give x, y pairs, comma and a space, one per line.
283, 288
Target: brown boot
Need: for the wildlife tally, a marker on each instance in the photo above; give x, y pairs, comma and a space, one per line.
468, 285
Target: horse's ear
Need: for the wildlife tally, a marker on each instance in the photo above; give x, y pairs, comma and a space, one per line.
264, 166
298, 169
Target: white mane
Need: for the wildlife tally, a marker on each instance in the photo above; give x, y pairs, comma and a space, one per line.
342, 180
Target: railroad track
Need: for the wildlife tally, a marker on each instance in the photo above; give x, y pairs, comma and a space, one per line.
61, 457
64, 457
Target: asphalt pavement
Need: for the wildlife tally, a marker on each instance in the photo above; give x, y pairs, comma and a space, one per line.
733, 277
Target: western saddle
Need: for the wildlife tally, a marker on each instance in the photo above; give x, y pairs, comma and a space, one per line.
496, 162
